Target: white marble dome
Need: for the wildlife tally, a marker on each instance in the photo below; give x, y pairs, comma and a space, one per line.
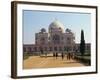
43, 30
56, 25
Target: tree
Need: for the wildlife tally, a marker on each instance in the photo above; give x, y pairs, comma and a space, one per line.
82, 43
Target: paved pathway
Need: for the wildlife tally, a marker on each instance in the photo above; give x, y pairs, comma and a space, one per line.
49, 62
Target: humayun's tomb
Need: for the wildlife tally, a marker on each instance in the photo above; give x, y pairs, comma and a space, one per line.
55, 40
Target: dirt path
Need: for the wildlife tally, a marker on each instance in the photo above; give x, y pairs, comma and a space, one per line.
49, 62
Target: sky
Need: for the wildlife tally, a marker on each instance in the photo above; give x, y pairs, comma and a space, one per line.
33, 21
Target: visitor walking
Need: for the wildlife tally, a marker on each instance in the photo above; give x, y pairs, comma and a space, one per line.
68, 56
56, 55
62, 55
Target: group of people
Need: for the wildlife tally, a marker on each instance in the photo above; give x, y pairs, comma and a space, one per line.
63, 55
68, 55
